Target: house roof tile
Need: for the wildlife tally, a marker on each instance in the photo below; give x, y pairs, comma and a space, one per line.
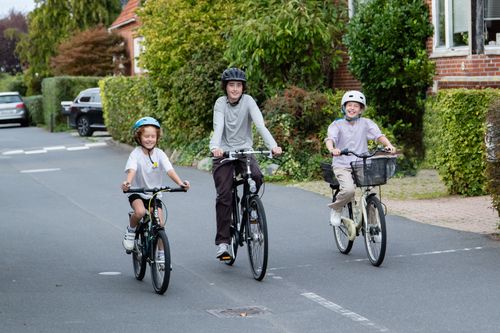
128, 14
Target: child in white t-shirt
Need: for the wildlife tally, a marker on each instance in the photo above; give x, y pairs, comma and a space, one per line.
147, 166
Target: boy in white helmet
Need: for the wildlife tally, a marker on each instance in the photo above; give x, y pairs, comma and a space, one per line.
351, 132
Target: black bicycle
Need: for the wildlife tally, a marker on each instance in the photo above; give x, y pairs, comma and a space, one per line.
367, 212
249, 223
150, 238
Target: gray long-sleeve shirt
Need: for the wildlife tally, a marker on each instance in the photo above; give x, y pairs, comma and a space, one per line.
233, 125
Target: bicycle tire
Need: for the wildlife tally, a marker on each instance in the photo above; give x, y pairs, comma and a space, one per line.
235, 241
341, 234
257, 237
375, 231
139, 256
160, 272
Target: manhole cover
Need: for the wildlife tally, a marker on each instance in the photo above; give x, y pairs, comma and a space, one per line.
248, 311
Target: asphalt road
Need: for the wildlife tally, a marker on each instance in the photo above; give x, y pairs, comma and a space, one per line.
63, 269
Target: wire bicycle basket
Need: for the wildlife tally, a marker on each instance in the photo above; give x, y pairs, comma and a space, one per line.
328, 176
373, 171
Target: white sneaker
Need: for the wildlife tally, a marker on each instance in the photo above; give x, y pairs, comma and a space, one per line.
378, 237
223, 251
160, 260
335, 217
128, 239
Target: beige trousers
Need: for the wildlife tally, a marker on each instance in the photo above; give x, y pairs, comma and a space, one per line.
347, 188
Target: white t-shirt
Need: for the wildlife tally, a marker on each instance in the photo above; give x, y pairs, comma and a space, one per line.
148, 174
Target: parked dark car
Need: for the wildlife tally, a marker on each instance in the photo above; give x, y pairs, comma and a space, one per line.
85, 113
13, 109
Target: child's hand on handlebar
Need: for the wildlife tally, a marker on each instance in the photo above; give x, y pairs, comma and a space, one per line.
277, 151
185, 185
125, 186
390, 148
335, 152
217, 152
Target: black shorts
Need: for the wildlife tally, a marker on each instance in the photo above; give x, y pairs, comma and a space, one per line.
135, 196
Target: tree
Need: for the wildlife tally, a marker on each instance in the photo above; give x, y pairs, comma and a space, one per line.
11, 29
93, 52
50, 23
288, 42
184, 44
386, 40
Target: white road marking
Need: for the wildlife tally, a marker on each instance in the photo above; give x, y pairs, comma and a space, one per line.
95, 144
426, 253
345, 312
40, 170
110, 273
53, 148
40, 151
77, 148
13, 152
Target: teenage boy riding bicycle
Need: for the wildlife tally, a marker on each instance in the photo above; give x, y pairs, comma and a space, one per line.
351, 132
233, 116
147, 167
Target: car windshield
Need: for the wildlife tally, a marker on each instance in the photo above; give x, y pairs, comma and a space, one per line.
10, 99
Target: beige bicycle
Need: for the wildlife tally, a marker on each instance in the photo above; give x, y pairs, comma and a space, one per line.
366, 211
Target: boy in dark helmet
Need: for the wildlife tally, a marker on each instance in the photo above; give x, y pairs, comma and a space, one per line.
234, 114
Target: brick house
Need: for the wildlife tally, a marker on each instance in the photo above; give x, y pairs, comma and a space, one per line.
126, 25
465, 45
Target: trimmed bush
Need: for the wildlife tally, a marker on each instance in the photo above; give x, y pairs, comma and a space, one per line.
34, 104
492, 142
58, 89
455, 129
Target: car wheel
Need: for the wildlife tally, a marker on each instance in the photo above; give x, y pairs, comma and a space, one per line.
83, 126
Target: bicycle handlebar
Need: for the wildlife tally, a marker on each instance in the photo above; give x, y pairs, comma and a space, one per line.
155, 190
233, 155
365, 155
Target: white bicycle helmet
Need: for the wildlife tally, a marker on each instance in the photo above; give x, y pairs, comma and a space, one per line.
352, 96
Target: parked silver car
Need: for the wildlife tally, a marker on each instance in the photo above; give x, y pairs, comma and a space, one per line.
12, 109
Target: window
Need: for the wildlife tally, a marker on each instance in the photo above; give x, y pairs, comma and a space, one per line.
492, 22
138, 49
451, 23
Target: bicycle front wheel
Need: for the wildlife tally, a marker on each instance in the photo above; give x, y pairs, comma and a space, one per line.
160, 265
341, 234
139, 256
257, 240
375, 231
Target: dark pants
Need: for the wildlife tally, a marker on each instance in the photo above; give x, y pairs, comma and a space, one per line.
223, 179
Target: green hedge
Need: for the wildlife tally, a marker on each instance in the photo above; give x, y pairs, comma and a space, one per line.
492, 144
126, 99
58, 89
34, 104
454, 131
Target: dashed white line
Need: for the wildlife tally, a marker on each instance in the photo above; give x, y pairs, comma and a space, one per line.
77, 148
40, 170
53, 148
345, 312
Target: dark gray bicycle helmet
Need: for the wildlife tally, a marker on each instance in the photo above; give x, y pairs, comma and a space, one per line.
233, 74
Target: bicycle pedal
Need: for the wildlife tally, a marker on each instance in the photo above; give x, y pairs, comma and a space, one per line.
225, 257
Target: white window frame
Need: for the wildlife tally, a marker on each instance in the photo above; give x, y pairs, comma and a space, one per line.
138, 49
448, 49
488, 48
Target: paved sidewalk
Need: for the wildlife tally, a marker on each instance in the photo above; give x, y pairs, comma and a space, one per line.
474, 214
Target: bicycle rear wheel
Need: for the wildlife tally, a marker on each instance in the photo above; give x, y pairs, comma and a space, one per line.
257, 241
341, 234
235, 239
375, 231
160, 269
139, 256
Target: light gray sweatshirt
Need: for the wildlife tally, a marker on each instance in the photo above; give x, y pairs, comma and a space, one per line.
233, 125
